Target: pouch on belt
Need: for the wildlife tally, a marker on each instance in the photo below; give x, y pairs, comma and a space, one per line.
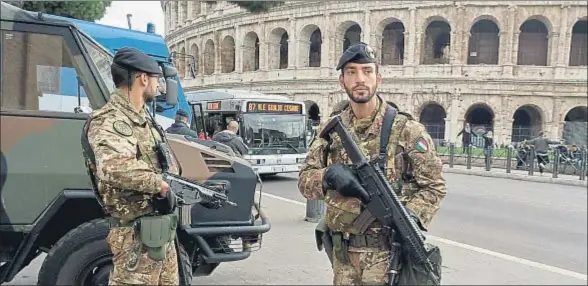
323, 237
156, 233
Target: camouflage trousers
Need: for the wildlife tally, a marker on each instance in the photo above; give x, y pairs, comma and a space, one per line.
364, 268
133, 265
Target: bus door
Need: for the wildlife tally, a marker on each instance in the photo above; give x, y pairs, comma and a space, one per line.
198, 122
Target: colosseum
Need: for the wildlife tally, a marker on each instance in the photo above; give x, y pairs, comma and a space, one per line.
513, 67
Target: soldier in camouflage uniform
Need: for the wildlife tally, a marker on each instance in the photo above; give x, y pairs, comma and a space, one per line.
127, 169
362, 258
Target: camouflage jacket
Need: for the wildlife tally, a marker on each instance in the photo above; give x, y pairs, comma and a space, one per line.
423, 196
127, 167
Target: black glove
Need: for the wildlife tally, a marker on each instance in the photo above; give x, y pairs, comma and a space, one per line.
342, 179
165, 205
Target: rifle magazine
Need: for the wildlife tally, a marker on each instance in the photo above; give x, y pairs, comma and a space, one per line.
364, 220
185, 215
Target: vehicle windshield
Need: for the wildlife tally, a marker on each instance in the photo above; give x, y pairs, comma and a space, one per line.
102, 59
272, 134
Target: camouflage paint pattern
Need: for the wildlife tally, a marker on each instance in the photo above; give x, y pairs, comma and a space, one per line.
128, 176
127, 167
423, 199
134, 266
364, 268
41, 153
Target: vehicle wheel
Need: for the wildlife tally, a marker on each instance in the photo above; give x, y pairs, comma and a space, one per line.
186, 266
82, 257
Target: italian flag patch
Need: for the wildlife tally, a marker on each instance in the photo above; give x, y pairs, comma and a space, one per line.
421, 145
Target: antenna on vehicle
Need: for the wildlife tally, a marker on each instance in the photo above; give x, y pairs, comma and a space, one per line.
129, 20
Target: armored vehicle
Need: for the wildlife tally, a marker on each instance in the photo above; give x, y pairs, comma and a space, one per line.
47, 204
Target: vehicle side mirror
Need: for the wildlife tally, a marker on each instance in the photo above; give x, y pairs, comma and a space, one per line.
169, 71
171, 96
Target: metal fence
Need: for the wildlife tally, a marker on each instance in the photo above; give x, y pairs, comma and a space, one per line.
559, 160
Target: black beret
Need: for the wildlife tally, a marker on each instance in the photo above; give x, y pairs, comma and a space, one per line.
359, 53
181, 112
133, 59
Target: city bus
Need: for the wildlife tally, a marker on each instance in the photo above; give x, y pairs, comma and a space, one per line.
272, 126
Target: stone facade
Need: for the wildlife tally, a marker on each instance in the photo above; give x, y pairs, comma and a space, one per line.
513, 67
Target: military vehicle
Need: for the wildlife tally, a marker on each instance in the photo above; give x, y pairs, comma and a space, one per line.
47, 204
112, 39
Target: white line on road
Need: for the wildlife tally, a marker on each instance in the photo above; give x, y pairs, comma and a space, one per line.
511, 258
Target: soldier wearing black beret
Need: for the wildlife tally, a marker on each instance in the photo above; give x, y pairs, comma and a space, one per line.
123, 140
359, 250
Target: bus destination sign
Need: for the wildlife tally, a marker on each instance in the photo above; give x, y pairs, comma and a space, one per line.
274, 107
213, 105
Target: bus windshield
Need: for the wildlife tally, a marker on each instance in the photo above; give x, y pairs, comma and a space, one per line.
272, 134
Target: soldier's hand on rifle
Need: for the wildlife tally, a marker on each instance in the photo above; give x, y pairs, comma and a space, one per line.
164, 189
343, 179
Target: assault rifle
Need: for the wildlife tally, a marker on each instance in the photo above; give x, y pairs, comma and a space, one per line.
189, 192
383, 205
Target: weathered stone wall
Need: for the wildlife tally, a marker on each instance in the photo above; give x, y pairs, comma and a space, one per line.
513, 67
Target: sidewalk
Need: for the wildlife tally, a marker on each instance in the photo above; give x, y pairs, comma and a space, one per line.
523, 175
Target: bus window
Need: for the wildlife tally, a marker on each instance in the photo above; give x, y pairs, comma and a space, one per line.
214, 123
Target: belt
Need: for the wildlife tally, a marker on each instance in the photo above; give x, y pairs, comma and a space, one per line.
378, 240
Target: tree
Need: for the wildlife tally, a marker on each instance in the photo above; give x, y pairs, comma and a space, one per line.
82, 10
257, 6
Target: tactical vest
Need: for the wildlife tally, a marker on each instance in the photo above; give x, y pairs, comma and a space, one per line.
386, 138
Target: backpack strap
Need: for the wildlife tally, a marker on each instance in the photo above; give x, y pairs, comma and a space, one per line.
389, 116
90, 162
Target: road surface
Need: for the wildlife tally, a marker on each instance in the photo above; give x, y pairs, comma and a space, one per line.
490, 231
546, 223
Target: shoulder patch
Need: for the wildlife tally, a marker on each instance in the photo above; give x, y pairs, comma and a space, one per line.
421, 144
122, 128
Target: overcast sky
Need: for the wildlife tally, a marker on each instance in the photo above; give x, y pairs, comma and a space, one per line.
143, 13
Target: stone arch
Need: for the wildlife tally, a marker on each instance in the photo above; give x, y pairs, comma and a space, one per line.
310, 46
313, 112
437, 42
392, 44
480, 116
527, 122
182, 63
350, 33
228, 55
195, 52
433, 115
208, 57
575, 127
278, 48
579, 44
484, 43
251, 52
533, 42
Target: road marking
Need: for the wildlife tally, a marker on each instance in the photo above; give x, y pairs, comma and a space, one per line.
511, 258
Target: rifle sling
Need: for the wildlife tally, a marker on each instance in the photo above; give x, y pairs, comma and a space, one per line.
365, 218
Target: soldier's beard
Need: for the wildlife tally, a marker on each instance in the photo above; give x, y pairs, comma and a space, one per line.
148, 96
362, 97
